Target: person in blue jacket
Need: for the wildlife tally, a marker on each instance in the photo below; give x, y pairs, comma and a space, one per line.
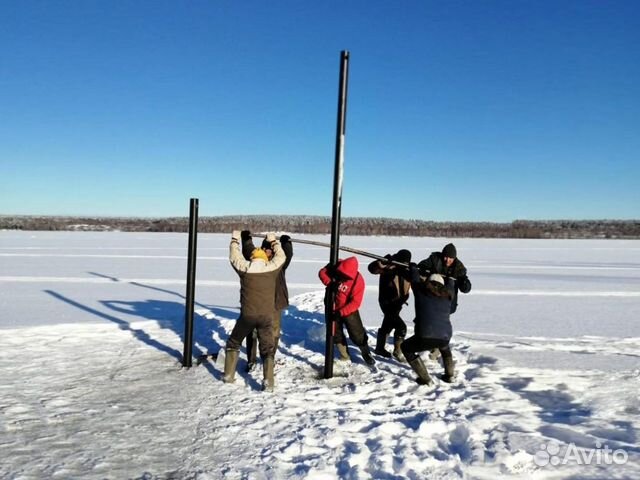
433, 328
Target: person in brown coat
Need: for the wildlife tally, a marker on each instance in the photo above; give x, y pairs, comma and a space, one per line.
258, 278
282, 292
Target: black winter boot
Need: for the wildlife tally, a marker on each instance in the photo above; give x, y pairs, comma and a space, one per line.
449, 371
397, 351
366, 355
381, 341
423, 376
230, 363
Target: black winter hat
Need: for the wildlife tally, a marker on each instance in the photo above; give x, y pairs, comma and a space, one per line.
266, 245
403, 256
449, 250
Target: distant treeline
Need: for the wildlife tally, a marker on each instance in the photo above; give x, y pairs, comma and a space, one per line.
627, 229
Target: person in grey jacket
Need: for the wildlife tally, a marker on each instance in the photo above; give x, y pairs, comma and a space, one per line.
433, 328
258, 278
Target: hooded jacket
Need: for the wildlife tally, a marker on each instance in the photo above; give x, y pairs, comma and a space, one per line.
350, 285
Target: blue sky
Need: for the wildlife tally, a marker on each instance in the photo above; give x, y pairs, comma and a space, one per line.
464, 111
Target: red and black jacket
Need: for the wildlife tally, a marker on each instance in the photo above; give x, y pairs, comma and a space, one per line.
350, 291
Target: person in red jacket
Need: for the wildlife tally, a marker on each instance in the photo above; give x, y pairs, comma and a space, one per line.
349, 293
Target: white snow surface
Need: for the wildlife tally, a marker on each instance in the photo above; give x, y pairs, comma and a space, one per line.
91, 342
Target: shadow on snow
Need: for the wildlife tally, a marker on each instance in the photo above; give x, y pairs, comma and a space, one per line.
296, 324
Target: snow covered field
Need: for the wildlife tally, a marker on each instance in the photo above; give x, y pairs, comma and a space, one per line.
546, 345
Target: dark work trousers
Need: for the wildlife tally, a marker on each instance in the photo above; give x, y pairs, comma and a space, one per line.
392, 321
356, 330
252, 338
245, 325
414, 345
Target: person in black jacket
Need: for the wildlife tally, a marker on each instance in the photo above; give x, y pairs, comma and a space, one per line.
433, 328
447, 264
282, 292
393, 293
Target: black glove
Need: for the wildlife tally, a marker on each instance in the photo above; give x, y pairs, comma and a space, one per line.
464, 285
245, 235
387, 259
285, 239
331, 270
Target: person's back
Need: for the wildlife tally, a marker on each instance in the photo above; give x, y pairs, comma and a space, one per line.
432, 308
258, 278
281, 292
433, 328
